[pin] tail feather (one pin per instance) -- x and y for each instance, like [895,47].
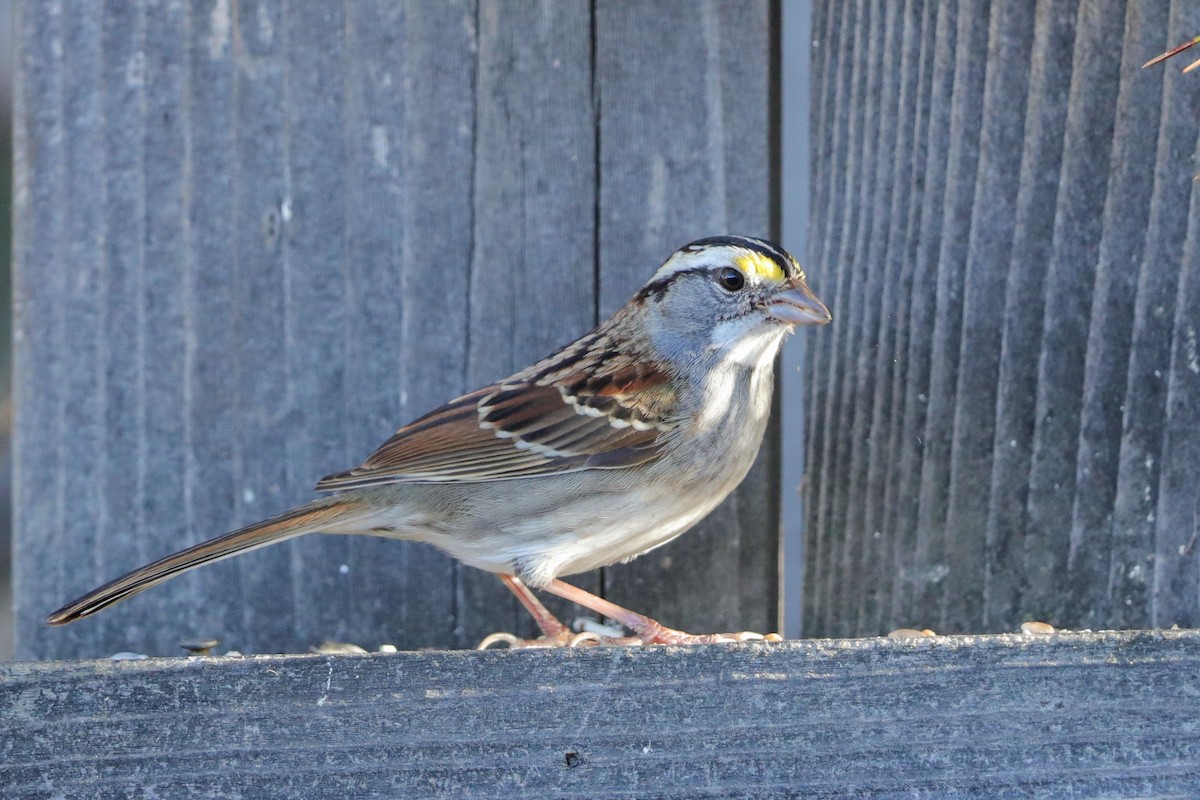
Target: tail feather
[319,515]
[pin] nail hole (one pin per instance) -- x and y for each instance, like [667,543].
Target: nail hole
[271,226]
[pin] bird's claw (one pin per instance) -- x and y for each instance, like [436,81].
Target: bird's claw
[671,636]
[566,639]
[500,637]
[663,635]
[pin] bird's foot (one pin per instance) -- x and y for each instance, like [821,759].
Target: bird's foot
[662,635]
[509,641]
[656,633]
[645,630]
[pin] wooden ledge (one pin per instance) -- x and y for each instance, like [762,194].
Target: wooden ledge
[1082,714]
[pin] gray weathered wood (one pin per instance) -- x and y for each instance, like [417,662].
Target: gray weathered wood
[1069,284]
[1041,157]
[539,134]
[989,249]
[1126,220]
[867,288]
[1080,715]
[937,438]
[659,180]
[897,248]
[1133,574]
[1039,445]
[254,238]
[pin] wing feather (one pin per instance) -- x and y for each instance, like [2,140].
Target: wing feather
[580,409]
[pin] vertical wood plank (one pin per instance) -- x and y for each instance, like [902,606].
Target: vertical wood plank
[212,598]
[80,410]
[832,118]
[893,247]
[1125,223]
[258,613]
[962,153]
[866,292]
[259,236]
[1041,460]
[1070,278]
[833,429]
[376,581]
[989,246]
[315,308]
[161,315]
[1041,157]
[438,58]
[914,570]
[534,252]
[683,153]
[903,247]
[1132,567]
[1176,598]
[38,188]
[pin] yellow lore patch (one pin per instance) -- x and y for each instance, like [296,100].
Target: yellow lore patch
[759,266]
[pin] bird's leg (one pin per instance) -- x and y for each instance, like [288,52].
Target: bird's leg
[554,633]
[546,622]
[648,631]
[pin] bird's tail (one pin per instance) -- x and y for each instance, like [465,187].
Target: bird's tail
[326,514]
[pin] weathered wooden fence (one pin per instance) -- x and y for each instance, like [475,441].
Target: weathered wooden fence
[254,238]
[1080,715]
[1005,420]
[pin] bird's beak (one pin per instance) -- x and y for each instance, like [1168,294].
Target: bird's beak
[797,305]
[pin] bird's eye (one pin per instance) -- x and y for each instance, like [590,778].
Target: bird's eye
[730,279]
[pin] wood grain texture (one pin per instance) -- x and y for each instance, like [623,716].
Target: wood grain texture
[661,184]
[1029,456]
[866,287]
[1069,284]
[1136,521]
[254,238]
[532,134]
[894,248]
[988,252]
[962,156]
[1041,156]
[1125,222]
[1109,714]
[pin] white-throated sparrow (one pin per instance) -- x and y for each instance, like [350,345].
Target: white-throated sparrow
[608,448]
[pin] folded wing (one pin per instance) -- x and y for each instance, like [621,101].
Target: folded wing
[559,417]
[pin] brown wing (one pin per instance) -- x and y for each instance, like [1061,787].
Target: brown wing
[580,411]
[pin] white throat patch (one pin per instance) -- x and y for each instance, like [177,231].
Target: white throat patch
[748,348]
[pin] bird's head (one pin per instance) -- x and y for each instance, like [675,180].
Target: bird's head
[729,296]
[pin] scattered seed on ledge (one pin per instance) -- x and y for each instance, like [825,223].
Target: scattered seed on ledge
[199,647]
[910,633]
[337,648]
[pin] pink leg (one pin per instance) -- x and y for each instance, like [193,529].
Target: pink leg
[547,622]
[649,631]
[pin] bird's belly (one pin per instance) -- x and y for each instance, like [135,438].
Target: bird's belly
[615,529]
[540,540]
[525,527]
[622,541]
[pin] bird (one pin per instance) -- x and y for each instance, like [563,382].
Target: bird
[611,446]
